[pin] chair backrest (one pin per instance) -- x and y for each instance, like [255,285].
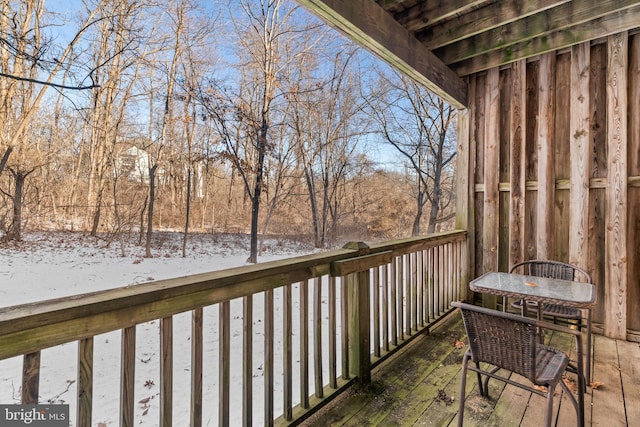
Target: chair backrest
[551,269]
[501,339]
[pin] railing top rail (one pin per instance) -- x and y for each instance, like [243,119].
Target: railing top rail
[31,327]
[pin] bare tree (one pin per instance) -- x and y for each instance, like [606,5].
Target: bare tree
[419,125]
[328,123]
[29,68]
[245,112]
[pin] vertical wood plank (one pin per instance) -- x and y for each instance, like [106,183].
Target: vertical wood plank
[633,228]
[414,290]
[491,169]
[317,337]
[478,83]
[442,274]
[127,376]
[247,360]
[287,328]
[268,357]
[562,156]
[546,173]
[224,370]
[304,344]
[420,286]
[517,178]
[615,243]
[392,303]
[433,294]
[376,311]
[344,320]
[408,294]
[333,332]
[85,382]
[30,378]
[598,165]
[531,156]
[504,162]
[580,144]
[400,298]
[196,367]
[385,308]
[166,371]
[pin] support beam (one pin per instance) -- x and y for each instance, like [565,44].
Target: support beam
[368,24]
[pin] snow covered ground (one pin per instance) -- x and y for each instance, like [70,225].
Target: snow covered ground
[50,265]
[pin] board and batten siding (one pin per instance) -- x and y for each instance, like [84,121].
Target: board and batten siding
[555,154]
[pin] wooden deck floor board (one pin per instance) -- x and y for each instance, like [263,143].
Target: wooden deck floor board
[629,358]
[607,406]
[405,389]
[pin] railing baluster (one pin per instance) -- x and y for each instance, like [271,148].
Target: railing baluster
[333,376]
[431,284]
[196,367]
[385,308]
[85,382]
[224,372]
[376,311]
[344,326]
[419,294]
[247,360]
[400,300]
[166,371]
[441,279]
[317,337]
[127,376]
[30,378]
[413,283]
[449,275]
[268,357]
[304,344]
[394,303]
[288,356]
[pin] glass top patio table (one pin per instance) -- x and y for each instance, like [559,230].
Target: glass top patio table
[533,288]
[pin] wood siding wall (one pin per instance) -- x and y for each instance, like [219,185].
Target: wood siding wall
[555,169]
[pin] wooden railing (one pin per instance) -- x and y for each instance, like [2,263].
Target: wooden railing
[327,320]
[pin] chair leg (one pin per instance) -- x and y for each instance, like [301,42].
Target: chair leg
[463,386]
[548,413]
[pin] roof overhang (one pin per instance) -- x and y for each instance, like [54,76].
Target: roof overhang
[368,24]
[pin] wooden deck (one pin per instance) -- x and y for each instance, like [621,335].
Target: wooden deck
[420,387]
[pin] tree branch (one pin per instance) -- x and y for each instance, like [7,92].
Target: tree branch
[41,82]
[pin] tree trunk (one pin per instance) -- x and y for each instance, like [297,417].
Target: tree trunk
[15,231]
[5,158]
[96,213]
[435,210]
[257,191]
[314,208]
[187,214]
[152,199]
[415,230]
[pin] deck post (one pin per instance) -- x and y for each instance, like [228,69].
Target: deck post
[358,302]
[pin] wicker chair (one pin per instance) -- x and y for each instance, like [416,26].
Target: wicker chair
[564,271]
[508,341]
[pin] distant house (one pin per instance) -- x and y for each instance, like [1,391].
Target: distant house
[134,165]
